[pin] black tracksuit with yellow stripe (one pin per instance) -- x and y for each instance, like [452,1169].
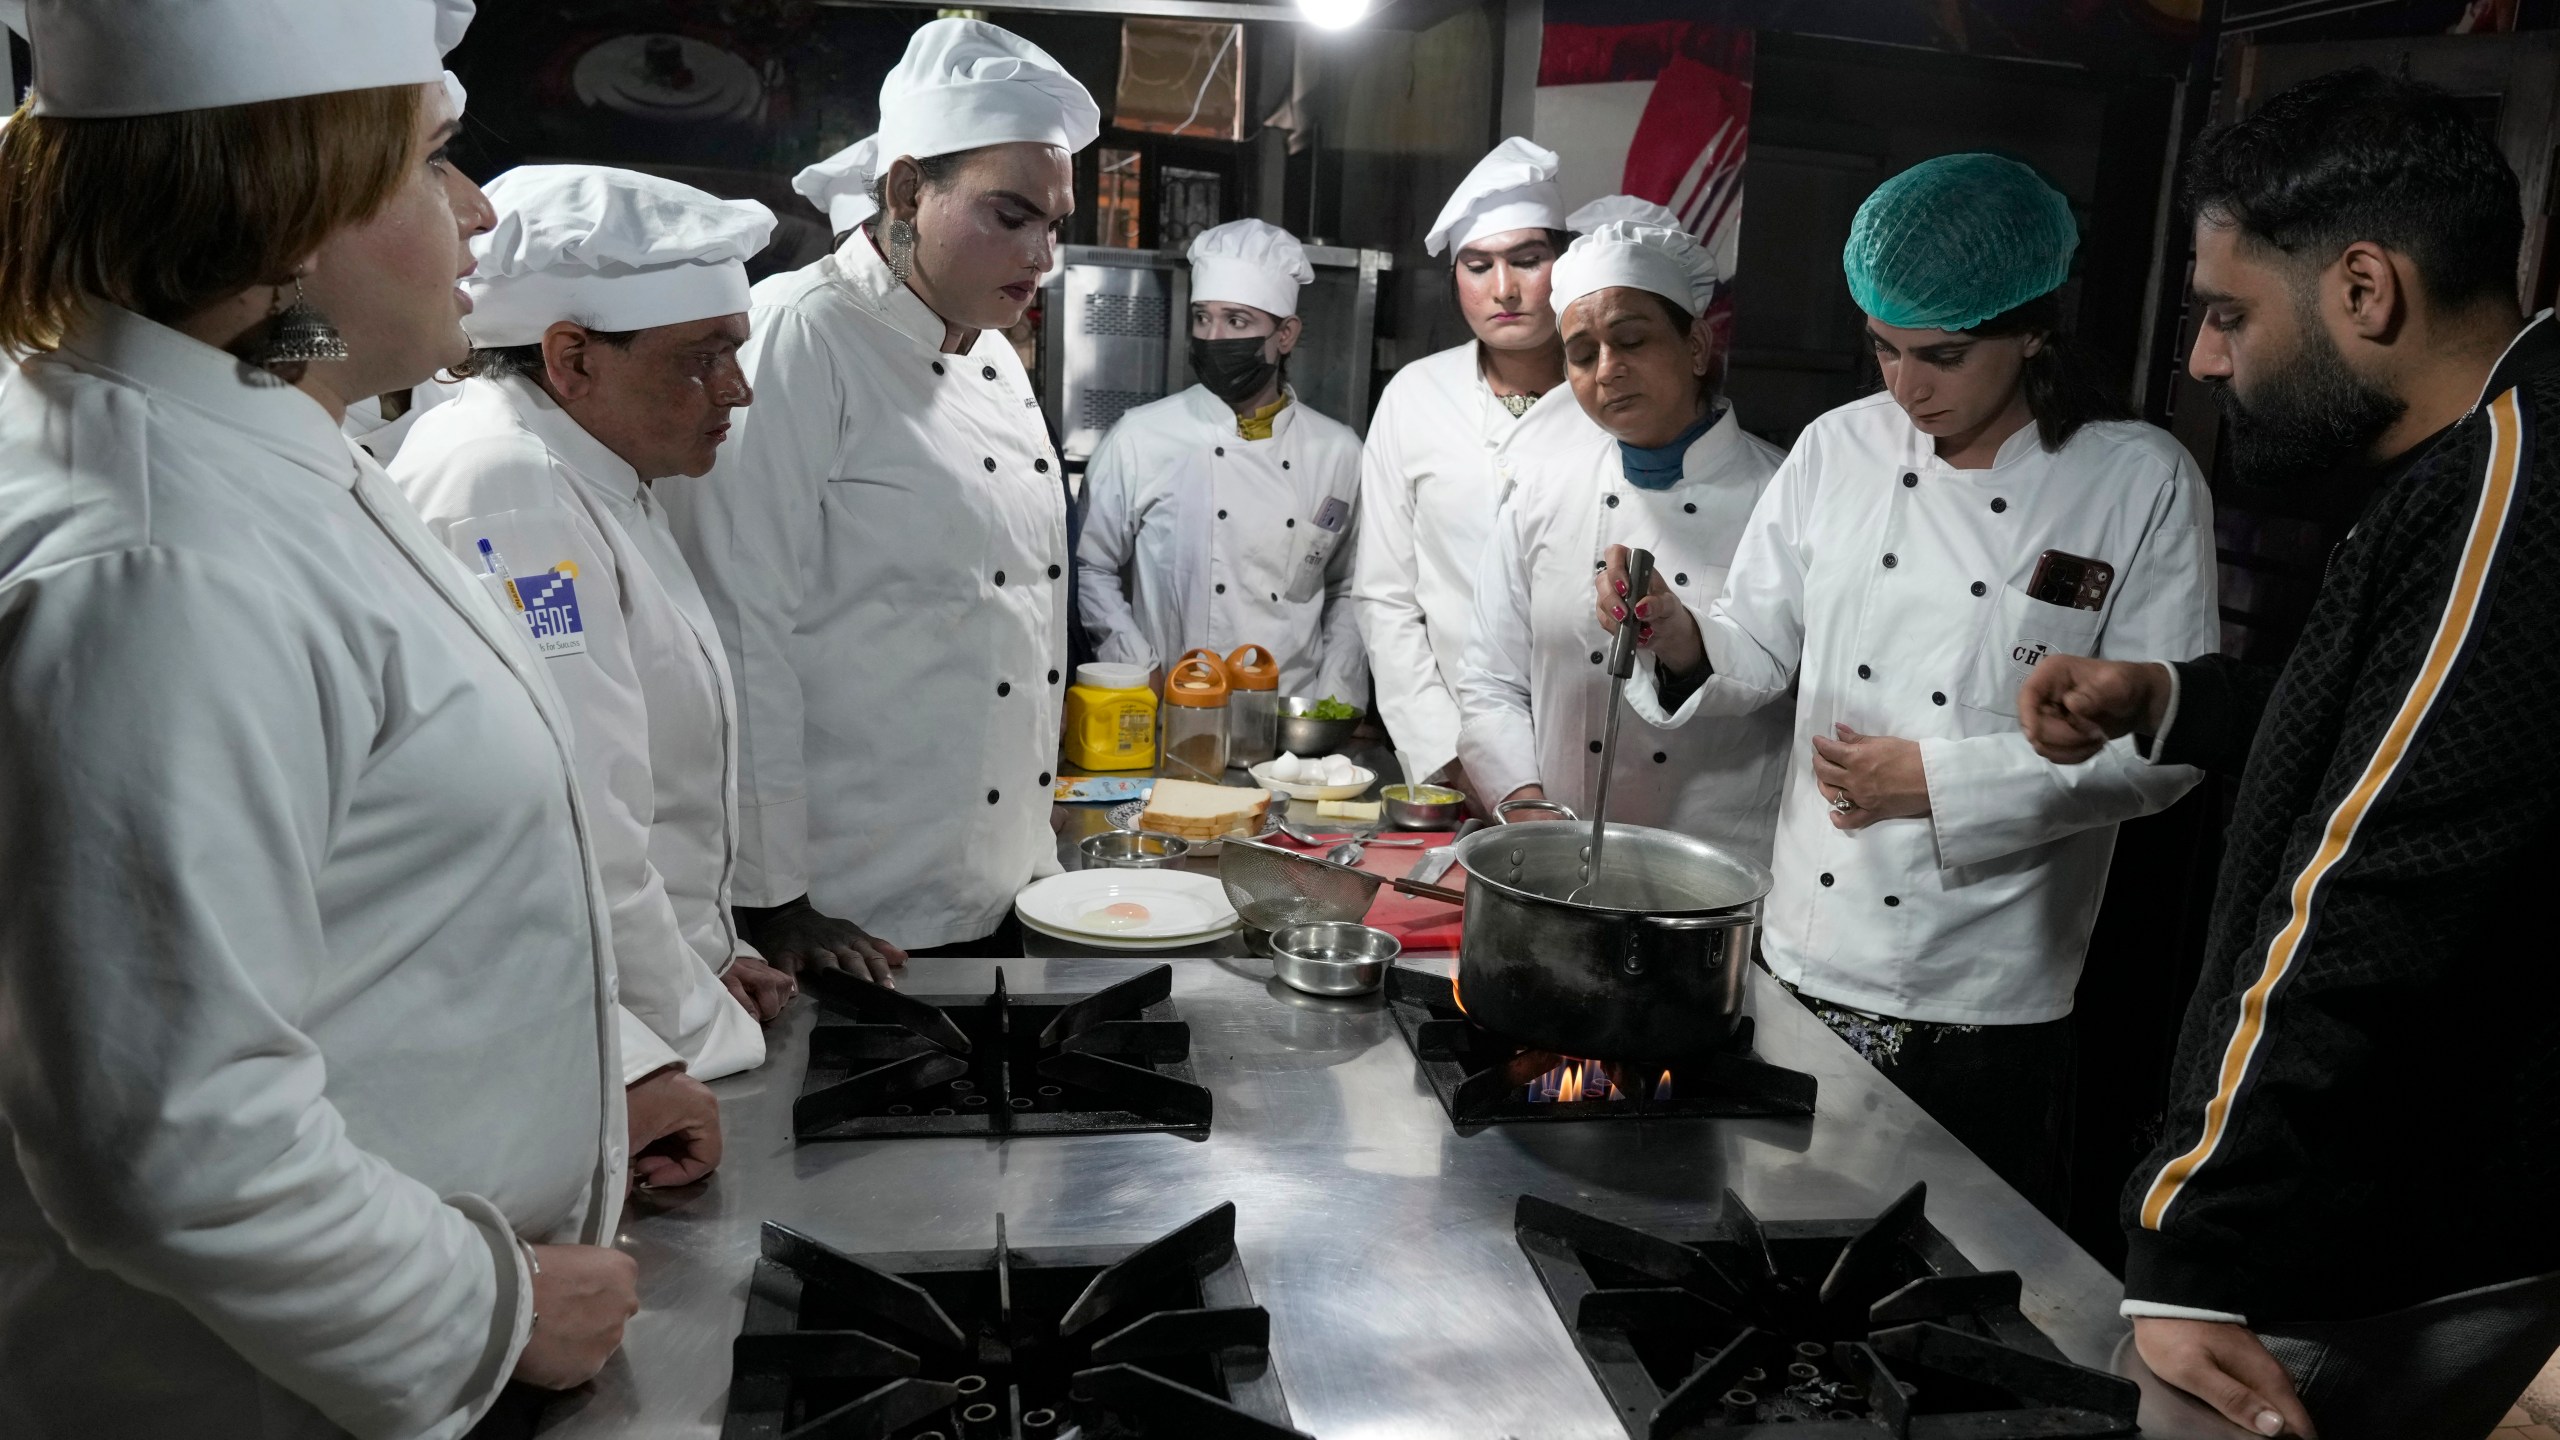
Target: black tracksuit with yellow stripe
[2366,1102]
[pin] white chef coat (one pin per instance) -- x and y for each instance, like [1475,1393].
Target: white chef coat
[648,693]
[1194,536]
[381,438]
[1890,588]
[884,546]
[1534,696]
[1442,456]
[304,978]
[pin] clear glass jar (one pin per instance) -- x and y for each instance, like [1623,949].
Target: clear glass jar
[1192,734]
[1253,706]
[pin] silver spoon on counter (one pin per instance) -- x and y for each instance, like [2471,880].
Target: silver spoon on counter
[1308,837]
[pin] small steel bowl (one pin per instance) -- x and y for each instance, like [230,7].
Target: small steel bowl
[1422,807]
[1303,735]
[1332,957]
[1132,850]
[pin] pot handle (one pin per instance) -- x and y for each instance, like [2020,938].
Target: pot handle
[1689,924]
[1562,812]
[1729,921]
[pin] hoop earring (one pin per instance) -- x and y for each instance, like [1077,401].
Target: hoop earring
[298,334]
[902,249]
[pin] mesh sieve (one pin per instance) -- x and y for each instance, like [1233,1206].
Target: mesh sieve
[1271,887]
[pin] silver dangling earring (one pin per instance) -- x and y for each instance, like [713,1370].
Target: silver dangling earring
[298,335]
[902,249]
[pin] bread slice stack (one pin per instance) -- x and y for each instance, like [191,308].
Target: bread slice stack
[1199,813]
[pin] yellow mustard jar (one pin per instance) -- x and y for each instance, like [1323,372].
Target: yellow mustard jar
[1111,718]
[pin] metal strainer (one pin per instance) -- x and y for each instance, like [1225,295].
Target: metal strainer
[1271,887]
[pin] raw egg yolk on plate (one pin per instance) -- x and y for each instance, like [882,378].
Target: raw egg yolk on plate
[1122,915]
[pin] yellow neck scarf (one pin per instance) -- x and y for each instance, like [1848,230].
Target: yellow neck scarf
[1257,426]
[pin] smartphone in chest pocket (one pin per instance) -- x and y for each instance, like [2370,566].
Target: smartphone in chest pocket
[2073,582]
[1306,579]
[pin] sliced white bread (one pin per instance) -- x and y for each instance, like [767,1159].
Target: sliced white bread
[1203,812]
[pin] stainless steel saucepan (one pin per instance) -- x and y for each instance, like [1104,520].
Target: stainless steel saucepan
[1644,964]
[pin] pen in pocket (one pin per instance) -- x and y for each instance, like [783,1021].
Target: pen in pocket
[497,565]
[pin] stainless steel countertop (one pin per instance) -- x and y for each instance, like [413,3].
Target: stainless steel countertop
[1379,1239]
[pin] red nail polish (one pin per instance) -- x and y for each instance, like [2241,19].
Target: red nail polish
[1622,587]
[1620,611]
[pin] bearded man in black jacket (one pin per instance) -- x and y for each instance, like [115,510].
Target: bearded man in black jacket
[2348,1228]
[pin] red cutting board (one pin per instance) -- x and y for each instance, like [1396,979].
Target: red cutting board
[1424,926]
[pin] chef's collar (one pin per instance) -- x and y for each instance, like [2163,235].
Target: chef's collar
[1218,417]
[885,295]
[1258,425]
[569,442]
[174,368]
[1500,404]
[1659,467]
[2027,443]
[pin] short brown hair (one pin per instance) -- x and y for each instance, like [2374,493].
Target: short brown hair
[167,214]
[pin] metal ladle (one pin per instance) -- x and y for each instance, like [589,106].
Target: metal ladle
[1622,663]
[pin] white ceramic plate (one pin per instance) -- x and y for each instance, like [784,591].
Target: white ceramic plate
[1262,775]
[1178,905]
[1187,942]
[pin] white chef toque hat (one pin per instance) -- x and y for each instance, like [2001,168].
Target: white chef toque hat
[452,18]
[608,249]
[841,184]
[1250,262]
[1645,257]
[1623,207]
[103,59]
[966,83]
[1513,188]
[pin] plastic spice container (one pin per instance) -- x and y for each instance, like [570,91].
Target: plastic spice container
[1192,728]
[1253,706]
[1111,718]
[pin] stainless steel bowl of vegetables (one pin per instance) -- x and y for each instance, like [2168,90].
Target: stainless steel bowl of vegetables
[1310,726]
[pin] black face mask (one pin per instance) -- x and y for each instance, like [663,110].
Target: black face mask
[1234,370]
[2310,420]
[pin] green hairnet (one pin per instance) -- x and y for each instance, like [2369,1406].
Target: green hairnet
[1951,242]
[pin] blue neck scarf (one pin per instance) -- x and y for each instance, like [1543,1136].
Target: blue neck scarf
[1658,467]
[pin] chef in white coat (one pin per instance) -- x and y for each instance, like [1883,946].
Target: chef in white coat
[1224,516]
[1915,556]
[1454,432]
[607,311]
[311,1088]
[1680,481]
[884,545]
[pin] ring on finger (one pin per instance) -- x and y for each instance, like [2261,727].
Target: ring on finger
[1841,803]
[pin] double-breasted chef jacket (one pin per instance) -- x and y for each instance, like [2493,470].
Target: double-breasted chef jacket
[884,548]
[1534,696]
[1442,455]
[1196,537]
[1890,588]
[626,638]
[305,978]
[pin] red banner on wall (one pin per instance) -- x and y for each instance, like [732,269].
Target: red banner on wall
[1657,109]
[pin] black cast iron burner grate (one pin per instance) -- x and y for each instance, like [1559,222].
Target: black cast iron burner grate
[1849,1330]
[1483,1078]
[886,1065]
[1146,1342]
